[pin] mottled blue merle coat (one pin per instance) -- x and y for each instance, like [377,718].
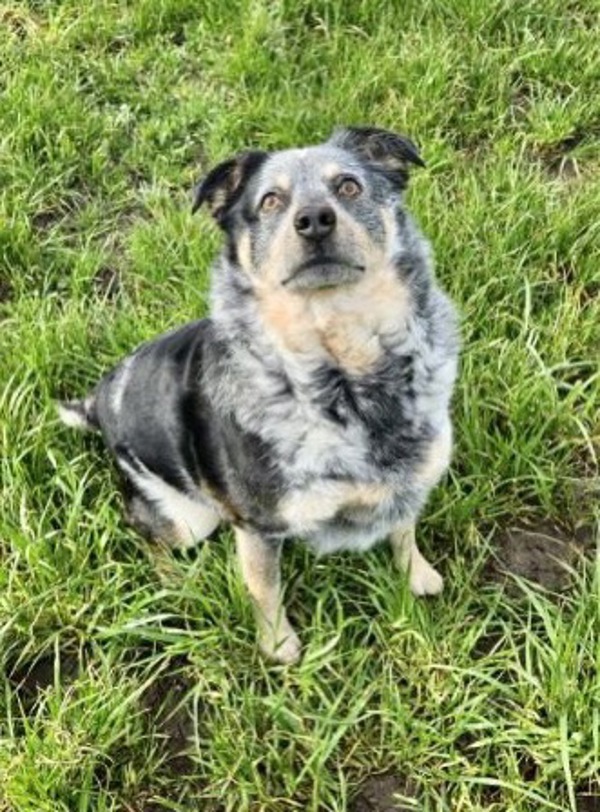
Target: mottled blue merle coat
[314,400]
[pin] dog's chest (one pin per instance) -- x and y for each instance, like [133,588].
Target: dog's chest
[330,480]
[324,458]
[303,420]
[348,329]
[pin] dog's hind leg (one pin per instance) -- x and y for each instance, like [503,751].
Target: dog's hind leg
[259,562]
[160,510]
[179,529]
[423,579]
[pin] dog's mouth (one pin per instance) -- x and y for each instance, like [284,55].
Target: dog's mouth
[323,272]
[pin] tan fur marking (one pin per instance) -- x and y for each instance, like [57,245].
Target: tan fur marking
[244,252]
[218,200]
[235,177]
[221,195]
[259,563]
[331,170]
[367,494]
[346,324]
[351,327]
[353,348]
[260,568]
[283,182]
[286,317]
[312,505]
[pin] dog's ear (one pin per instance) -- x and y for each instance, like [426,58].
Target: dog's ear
[388,151]
[224,184]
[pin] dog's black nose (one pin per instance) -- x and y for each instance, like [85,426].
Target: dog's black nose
[315,222]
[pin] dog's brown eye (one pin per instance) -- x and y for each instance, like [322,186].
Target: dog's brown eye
[349,188]
[270,202]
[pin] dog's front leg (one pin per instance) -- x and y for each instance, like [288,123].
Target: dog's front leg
[423,579]
[259,562]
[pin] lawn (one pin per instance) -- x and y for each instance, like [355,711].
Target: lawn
[130,678]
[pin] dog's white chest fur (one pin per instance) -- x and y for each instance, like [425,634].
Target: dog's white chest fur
[326,463]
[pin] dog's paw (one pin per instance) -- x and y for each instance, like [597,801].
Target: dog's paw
[283,647]
[424,579]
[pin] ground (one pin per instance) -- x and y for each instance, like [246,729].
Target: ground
[130,678]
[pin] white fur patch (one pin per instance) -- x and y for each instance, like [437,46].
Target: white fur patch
[192,519]
[423,579]
[71,416]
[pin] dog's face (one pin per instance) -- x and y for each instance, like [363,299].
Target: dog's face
[315,218]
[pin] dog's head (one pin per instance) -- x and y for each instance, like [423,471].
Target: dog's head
[314,218]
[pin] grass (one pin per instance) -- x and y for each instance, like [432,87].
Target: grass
[130,679]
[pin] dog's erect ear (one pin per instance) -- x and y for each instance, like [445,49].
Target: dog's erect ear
[225,183]
[386,150]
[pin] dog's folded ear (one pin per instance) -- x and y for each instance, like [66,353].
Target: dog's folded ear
[224,184]
[387,151]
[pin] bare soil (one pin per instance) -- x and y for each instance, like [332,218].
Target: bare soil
[543,553]
[381,793]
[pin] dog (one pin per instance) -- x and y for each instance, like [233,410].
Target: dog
[314,401]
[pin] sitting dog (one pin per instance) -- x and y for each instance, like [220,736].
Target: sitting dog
[314,400]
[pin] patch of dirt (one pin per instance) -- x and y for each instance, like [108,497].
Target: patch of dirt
[528,768]
[178,37]
[589,290]
[522,96]
[45,219]
[379,793]
[587,797]
[567,272]
[555,158]
[30,680]
[5,291]
[62,212]
[107,282]
[563,167]
[164,702]
[588,803]
[118,44]
[543,553]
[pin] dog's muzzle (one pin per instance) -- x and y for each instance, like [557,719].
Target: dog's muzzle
[324,266]
[323,272]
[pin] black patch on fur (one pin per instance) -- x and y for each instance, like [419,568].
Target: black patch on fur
[224,185]
[168,424]
[386,152]
[382,401]
[239,467]
[385,399]
[333,393]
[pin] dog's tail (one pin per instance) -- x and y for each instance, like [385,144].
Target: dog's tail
[79,414]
